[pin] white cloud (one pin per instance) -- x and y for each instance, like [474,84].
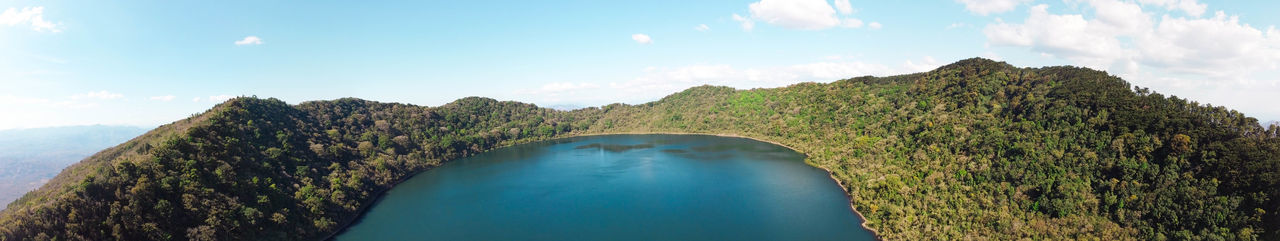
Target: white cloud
[29,15]
[1068,36]
[795,14]
[926,65]
[702,28]
[851,23]
[641,38]
[875,25]
[958,25]
[801,14]
[250,40]
[747,23]
[220,98]
[165,98]
[99,95]
[1254,98]
[1119,18]
[1190,7]
[1219,46]
[660,81]
[196,99]
[1214,58]
[844,7]
[985,7]
[828,71]
[1122,36]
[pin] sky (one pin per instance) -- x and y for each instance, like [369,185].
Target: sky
[147,63]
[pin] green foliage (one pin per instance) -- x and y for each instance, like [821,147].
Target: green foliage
[261,169]
[982,150]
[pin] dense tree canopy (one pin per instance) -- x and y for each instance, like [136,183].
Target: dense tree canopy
[976,149]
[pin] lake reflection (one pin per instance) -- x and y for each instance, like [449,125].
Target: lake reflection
[618,187]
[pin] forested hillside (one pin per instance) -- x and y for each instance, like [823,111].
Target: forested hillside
[980,149]
[261,169]
[973,150]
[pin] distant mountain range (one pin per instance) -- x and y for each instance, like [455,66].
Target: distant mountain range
[565,107]
[29,157]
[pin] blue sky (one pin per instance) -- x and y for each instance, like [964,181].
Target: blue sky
[147,63]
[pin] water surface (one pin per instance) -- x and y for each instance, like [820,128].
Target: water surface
[618,187]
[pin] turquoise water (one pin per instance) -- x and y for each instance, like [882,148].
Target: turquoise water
[618,187]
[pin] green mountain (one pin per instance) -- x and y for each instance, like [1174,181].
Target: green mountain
[973,150]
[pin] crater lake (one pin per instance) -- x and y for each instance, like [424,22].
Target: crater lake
[618,187]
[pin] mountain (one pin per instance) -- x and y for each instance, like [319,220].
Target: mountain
[972,150]
[29,157]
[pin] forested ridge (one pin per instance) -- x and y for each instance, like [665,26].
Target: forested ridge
[973,150]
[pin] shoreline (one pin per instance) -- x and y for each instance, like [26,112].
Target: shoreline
[382,193]
[830,174]
[365,206]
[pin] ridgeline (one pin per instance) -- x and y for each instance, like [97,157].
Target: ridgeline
[973,150]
